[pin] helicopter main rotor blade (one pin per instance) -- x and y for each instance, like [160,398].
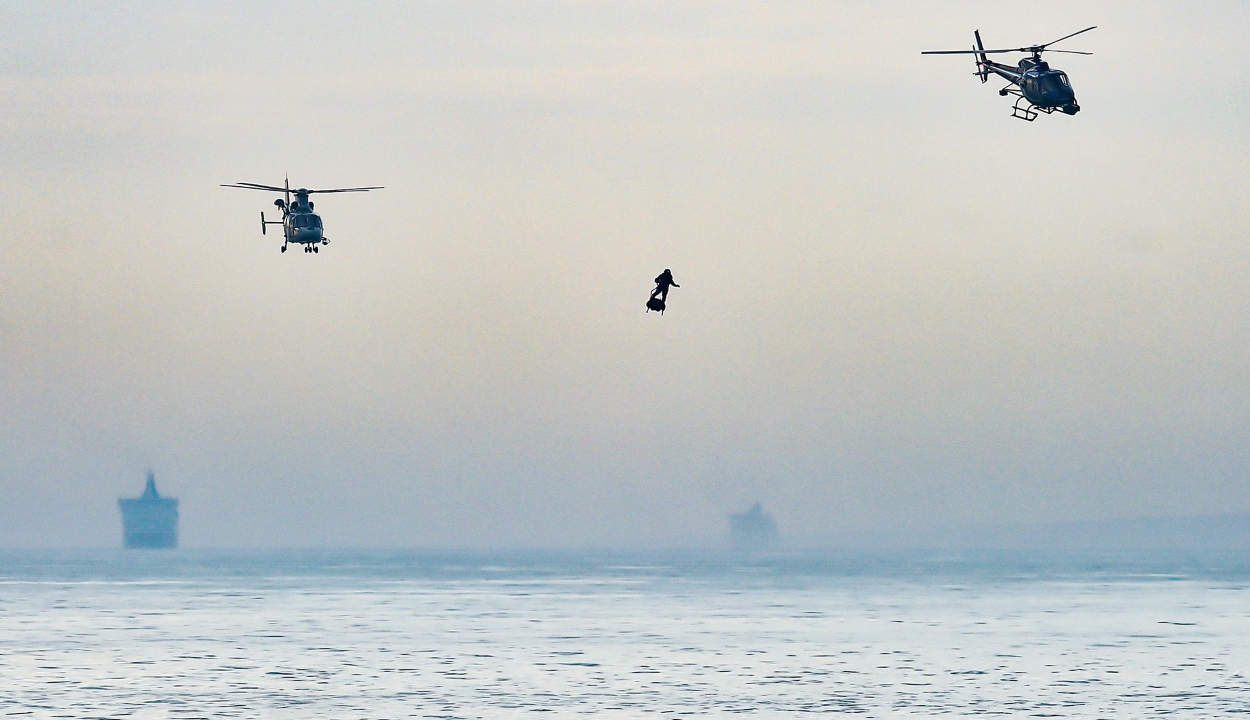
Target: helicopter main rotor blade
[1065,37]
[1039,48]
[271,188]
[254,186]
[259,185]
[1029,49]
[973,52]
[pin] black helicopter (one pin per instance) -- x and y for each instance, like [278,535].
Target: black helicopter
[300,225]
[1038,87]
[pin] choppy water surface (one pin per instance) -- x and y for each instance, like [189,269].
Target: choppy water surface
[377,635]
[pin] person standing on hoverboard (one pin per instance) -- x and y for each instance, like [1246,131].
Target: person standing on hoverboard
[660,294]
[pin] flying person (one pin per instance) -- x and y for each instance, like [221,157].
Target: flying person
[660,293]
[662,284]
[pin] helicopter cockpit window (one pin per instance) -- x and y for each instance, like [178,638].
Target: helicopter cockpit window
[1054,82]
[306,221]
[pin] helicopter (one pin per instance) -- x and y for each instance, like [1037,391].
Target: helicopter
[300,225]
[1038,87]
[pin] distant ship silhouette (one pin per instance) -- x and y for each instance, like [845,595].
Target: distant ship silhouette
[149,521]
[752,530]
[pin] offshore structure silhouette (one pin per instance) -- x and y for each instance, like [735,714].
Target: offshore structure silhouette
[752,530]
[149,521]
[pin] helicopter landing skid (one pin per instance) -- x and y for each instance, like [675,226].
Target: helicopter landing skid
[1025,110]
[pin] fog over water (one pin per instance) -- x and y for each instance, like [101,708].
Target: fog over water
[900,309]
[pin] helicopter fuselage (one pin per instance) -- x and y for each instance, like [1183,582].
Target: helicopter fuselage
[1038,83]
[303,228]
[300,225]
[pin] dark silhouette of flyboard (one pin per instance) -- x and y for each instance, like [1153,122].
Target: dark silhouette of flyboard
[1038,87]
[300,225]
[660,294]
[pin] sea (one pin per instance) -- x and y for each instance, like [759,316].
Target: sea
[379,634]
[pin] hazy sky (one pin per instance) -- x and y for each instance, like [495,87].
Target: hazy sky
[900,308]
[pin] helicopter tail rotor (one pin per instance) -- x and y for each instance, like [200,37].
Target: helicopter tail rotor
[983,71]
